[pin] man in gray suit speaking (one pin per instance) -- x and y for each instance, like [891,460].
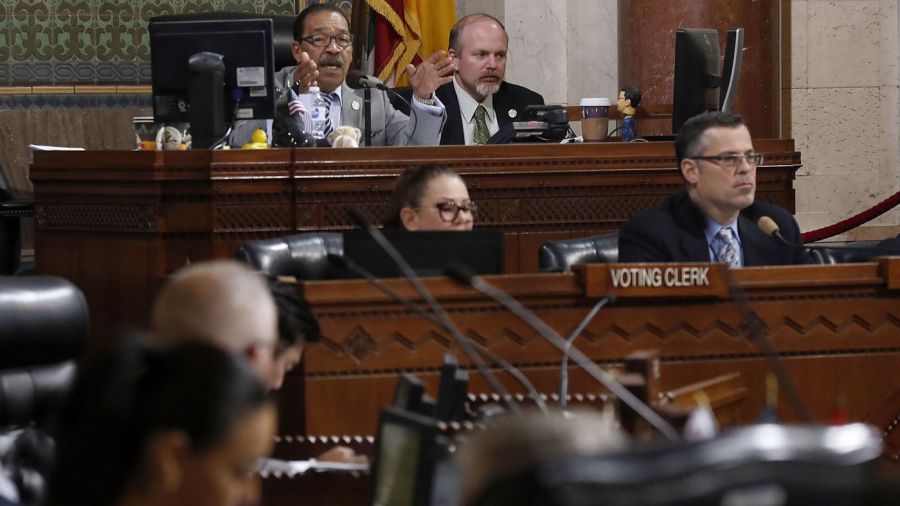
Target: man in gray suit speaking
[323,49]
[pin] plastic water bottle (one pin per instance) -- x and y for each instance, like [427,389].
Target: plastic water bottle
[319,114]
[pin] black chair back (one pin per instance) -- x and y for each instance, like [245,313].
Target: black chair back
[560,256]
[303,256]
[43,328]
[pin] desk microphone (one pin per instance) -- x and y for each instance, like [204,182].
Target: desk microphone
[439,312]
[817,253]
[346,263]
[357,79]
[609,298]
[465,276]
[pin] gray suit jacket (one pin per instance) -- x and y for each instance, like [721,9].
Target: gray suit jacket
[390,127]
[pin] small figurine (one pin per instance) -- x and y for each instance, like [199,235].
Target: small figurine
[258,140]
[629,99]
[288,129]
[169,138]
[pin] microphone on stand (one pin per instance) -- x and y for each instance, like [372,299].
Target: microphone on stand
[466,277]
[818,254]
[357,79]
[564,368]
[439,312]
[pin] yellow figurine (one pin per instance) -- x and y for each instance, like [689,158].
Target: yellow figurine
[258,140]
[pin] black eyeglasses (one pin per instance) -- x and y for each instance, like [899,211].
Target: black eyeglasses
[450,210]
[731,162]
[343,40]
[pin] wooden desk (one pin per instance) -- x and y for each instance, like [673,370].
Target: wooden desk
[117,222]
[836,328]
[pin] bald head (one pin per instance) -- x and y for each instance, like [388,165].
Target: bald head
[222,302]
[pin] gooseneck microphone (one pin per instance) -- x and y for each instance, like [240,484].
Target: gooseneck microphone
[466,277]
[564,367]
[357,79]
[352,266]
[439,312]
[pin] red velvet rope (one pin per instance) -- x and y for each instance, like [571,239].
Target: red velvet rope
[853,221]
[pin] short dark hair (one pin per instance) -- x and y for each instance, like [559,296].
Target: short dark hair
[125,395]
[296,322]
[456,31]
[634,94]
[687,143]
[301,18]
[410,188]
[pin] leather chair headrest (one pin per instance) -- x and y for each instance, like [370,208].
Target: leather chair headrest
[43,320]
[304,256]
[560,256]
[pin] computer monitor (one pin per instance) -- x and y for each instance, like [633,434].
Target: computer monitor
[428,253]
[211,71]
[409,395]
[731,69]
[453,390]
[406,452]
[697,76]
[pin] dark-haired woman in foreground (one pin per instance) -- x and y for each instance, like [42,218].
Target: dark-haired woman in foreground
[430,197]
[181,426]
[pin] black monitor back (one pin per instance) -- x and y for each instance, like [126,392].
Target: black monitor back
[429,253]
[697,78]
[731,69]
[247,48]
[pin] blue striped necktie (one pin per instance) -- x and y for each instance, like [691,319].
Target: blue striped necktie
[328,98]
[726,248]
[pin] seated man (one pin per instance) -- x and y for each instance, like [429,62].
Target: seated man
[715,218]
[479,102]
[323,48]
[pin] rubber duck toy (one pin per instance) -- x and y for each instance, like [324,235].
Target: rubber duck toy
[258,140]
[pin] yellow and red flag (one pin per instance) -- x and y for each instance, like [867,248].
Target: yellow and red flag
[407,31]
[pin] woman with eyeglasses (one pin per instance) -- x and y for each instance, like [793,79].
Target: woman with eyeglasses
[431,197]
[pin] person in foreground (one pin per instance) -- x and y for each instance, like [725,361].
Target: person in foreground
[182,425]
[715,218]
[430,198]
[222,302]
[479,101]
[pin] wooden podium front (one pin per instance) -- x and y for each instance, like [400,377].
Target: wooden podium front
[836,328]
[117,222]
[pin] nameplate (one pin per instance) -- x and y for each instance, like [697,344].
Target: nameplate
[655,280]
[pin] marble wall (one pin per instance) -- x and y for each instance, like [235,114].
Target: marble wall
[840,88]
[841,71]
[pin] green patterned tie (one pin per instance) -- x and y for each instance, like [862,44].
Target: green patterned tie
[481,134]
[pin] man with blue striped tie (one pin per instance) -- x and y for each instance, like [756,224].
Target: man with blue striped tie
[323,49]
[714,219]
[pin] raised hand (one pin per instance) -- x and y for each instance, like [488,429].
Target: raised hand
[431,73]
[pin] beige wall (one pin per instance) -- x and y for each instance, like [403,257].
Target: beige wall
[840,89]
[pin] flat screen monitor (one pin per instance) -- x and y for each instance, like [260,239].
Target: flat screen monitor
[406,452]
[700,85]
[731,69]
[242,89]
[429,253]
[697,76]
[453,390]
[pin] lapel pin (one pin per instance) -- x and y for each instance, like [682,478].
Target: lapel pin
[354,105]
[512,113]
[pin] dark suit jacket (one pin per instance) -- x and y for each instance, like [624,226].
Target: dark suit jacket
[674,232]
[508,97]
